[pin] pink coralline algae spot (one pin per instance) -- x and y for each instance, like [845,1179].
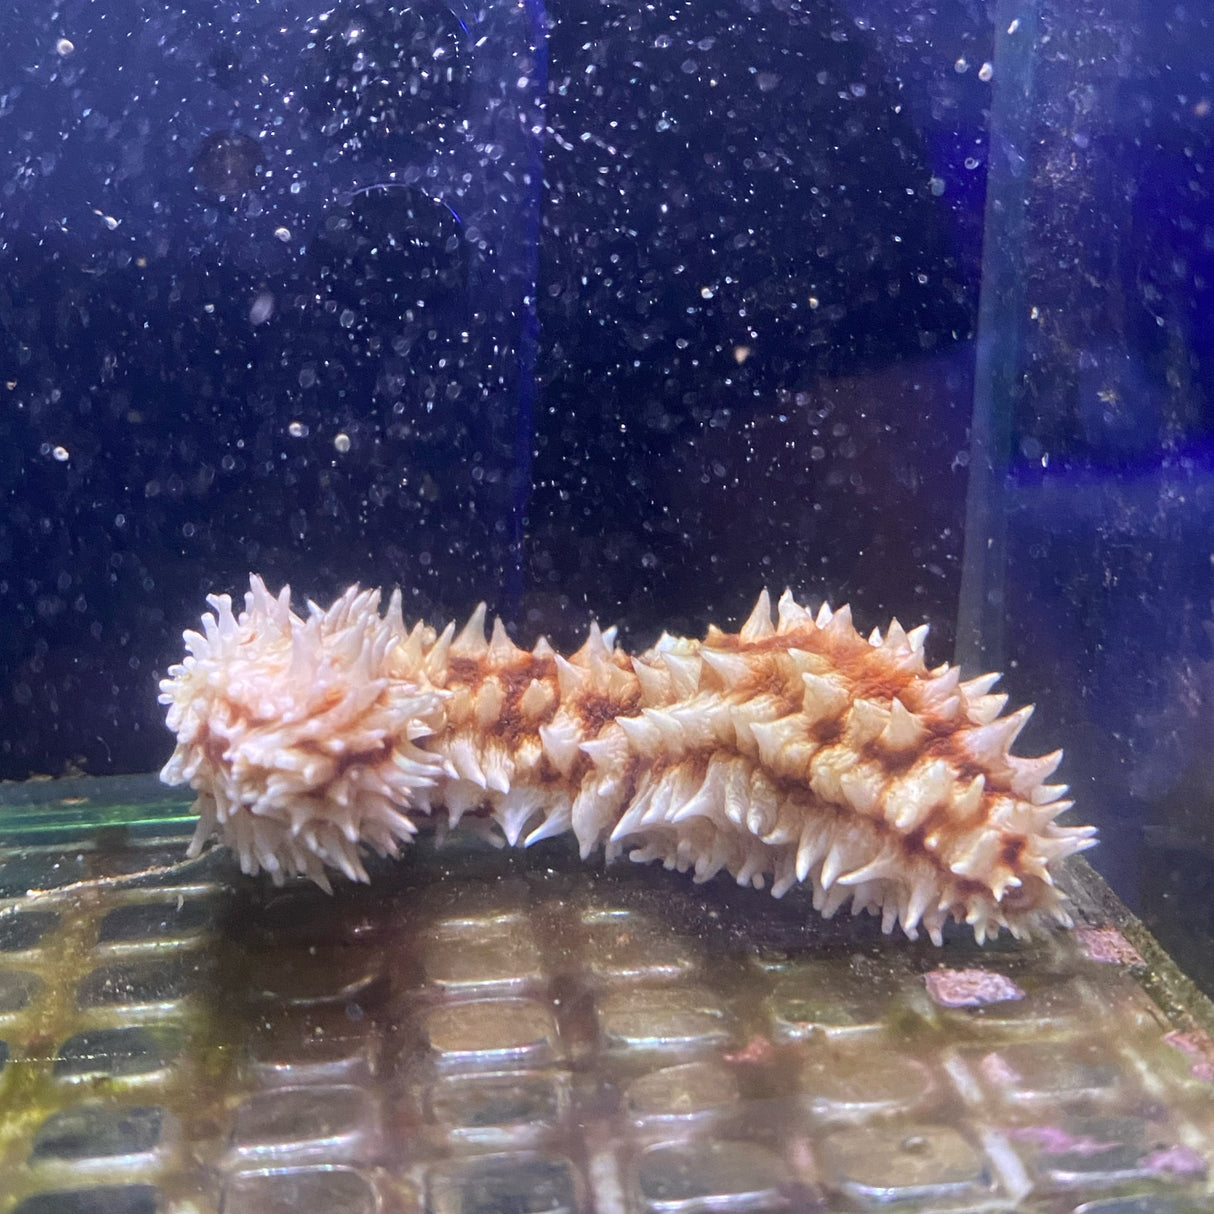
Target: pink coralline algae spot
[758,1050]
[970,988]
[1107,945]
[1054,1140]
[1175,1161]
[1198,1046]
[998,1072]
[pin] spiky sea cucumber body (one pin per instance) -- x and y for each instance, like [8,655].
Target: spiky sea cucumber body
[791,751]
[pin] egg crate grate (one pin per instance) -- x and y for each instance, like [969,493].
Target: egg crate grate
[489,1032]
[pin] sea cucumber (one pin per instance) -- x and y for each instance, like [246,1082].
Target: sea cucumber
[794,750]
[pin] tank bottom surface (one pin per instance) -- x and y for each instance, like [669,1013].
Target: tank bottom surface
[484,1031]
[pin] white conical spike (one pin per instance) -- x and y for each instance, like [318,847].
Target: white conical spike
[595,648]
[895,637]
[862,786]
[762,805]
[804,661]
[514,811]
[411,648]
[885,864]
[684,673]
[791,614]
[570,679]
[832,866]
[1002,882]
[737,791]
[980,685]
[825,697]
[751,870]
[668,725]
[832,900]
[975,855]
[561,740]
[489,702]
[1075,839]
[839,624]
[498,767]
[966,801]
[814,841]
[709,863]
[1047,794]
[706,801]
[1028,774]
[941,688]
[471,643]
[824,614]
[667,791]
[784,879]
[875,639]
[643,735]
[439,653]
[988,744]
[631,819]
[557,820]
[918,900]
[866,721]
[904,730]
[655,683]
[609,751]
[758,626]
[502,650]
[762,818]
[537,699]
[982,710]
[916,638]
[910,798]
[732,669]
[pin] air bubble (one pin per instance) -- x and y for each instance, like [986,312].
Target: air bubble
[262,308]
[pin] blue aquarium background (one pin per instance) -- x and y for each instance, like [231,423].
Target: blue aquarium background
[625,311]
